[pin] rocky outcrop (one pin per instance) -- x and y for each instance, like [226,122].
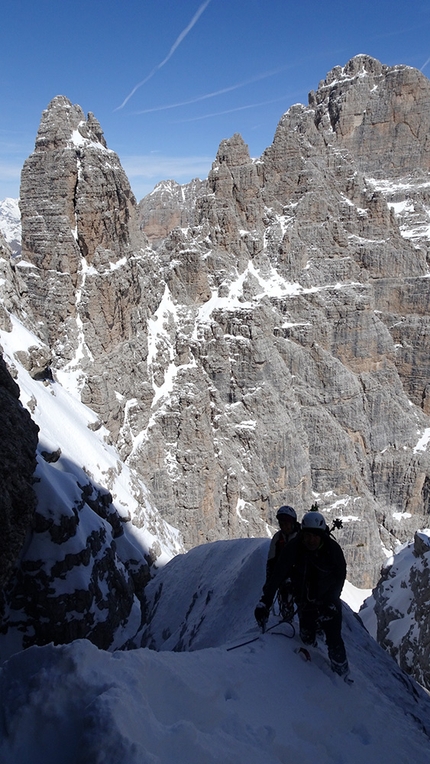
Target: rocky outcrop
[74,186]
[79,577]
[77,209]
[12,288]
[273,348]
[399,606]
[17,464]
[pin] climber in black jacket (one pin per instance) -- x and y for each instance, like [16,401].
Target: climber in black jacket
[288,529]
[316,565]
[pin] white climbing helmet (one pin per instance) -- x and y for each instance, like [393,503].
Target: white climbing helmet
[314,522]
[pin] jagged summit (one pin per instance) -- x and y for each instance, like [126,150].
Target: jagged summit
[170,205]
[233,151]
[381,114]
[360,65]
[77,208]
[62,123]
[363,66]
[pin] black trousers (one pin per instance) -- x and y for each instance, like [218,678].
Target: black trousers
[325,617]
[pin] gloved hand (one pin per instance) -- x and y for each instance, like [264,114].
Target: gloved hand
[261,614]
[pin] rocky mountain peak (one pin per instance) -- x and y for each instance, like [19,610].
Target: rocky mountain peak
[77,212]
[360,65]
[63,123]
[58,122]
[94,130]
[233,152]
[380,114]
[170,205]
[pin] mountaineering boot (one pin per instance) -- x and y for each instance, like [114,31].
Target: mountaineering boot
[340,668]
[308,637]
[338,659]
[261,614]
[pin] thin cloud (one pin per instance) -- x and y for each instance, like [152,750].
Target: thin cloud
[424,65]
[257,78]
[230,111]
[398,32]
[10,170]
[175,45]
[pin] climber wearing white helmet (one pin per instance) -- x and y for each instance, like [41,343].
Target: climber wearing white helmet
[316,565]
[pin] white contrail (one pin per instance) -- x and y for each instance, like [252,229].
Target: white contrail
[257,78]
[230,111]
[170,53]
[424,65]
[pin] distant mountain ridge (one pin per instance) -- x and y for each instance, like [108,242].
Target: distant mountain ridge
[170,205]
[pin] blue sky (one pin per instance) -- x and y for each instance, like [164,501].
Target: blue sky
[169,79]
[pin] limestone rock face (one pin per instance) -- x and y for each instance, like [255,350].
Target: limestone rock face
[72,178]
[12,288]
[17,464]
[81,252]
[381,115]
[169,206]
[76,206]
[273,347]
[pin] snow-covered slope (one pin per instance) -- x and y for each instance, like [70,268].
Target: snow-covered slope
[83,568]
[66,423]
[253,704]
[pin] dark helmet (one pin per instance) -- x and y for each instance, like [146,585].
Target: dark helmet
[314,522]
[285,510]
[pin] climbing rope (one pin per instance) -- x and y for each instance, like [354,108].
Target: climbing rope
[280,633]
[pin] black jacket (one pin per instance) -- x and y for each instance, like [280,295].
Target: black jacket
[277,544]
[317,576]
